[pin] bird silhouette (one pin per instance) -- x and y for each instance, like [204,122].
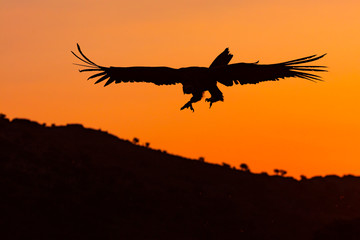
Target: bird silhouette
[197,80]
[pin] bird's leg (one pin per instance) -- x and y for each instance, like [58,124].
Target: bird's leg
[195,98]
[216,95]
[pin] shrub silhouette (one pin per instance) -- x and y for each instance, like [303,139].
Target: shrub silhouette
[225,165]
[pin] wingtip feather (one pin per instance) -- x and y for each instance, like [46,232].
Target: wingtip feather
[109,82]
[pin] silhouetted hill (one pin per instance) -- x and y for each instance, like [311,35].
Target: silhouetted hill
[70,182]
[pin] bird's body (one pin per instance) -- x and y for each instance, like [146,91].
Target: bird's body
[197,80]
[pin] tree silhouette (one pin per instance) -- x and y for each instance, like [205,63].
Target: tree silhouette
[282,172]
[201,159]
[135,140]
[303,177]
[244,167]
[147,144]
[3,118]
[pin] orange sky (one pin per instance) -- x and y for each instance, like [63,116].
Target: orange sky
[296,125]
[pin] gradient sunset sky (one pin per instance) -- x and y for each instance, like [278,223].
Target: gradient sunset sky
[302,127]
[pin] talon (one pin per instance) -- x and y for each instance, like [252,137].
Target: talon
[210,100]
[188,105]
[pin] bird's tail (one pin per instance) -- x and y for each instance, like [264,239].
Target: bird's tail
[91,66]
[301,71]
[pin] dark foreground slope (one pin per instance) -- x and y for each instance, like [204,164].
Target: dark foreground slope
[68,182]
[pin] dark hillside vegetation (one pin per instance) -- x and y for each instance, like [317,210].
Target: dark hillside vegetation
[70,182]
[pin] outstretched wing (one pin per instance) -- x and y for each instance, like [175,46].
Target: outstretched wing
[252,73]
[223,59]
[156,75]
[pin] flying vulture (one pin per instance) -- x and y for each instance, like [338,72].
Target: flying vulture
[197,80]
